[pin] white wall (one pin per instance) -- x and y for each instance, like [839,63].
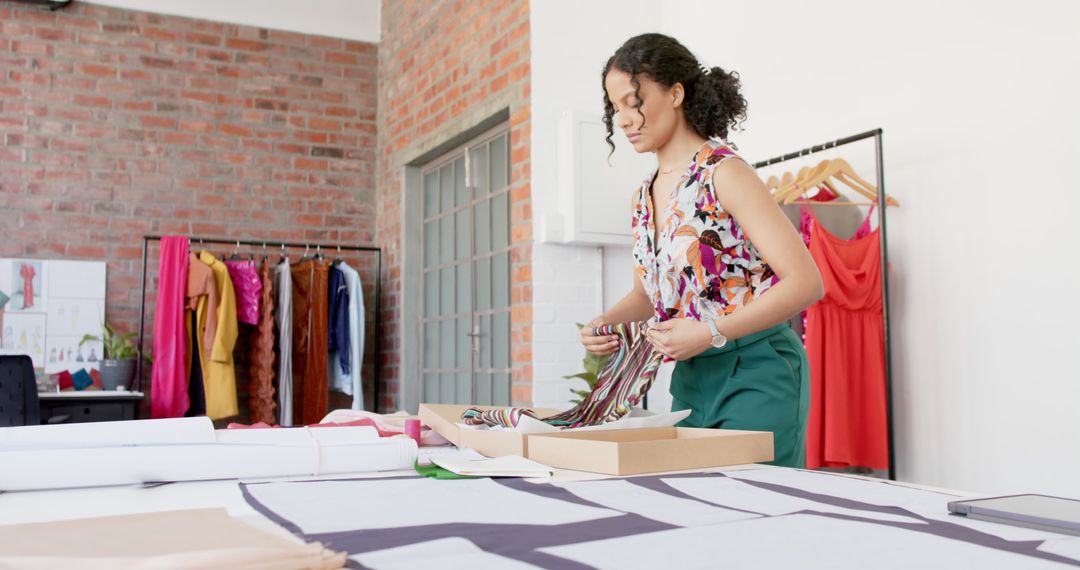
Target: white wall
[978,101]
[979,104]
[568,281]
[349,19]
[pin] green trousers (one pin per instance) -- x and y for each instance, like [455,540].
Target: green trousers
[760,382]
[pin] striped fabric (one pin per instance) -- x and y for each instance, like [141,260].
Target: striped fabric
[506,417]
[623,382]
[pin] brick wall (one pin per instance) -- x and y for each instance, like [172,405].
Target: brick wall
[565,292]
[443,67]
[115,124]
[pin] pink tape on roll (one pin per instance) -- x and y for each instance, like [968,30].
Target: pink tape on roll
[412,429]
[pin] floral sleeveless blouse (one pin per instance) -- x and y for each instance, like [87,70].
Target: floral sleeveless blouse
[702,264]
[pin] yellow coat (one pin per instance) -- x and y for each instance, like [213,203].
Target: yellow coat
[219,374]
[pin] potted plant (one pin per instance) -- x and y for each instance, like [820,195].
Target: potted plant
[118,366]
[592,364]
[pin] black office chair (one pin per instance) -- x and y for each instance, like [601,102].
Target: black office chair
[18,391]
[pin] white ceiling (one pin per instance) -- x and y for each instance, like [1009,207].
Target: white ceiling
[349,19]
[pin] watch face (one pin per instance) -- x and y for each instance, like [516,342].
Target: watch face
[719,341]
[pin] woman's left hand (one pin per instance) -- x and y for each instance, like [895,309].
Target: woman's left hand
[680,338]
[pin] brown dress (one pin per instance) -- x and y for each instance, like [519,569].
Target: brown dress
[261,388]
[311,332]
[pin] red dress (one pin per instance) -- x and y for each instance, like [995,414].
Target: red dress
[845,343]
[27,272]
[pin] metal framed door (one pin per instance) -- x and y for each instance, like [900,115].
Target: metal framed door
[466,274]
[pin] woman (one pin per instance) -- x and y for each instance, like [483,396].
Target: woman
[703,226]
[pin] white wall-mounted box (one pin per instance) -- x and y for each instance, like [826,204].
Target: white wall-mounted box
[594,190]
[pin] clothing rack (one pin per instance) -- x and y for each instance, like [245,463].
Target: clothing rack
[376,387]
[881,207]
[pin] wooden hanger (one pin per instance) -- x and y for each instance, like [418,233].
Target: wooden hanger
[837,169]
[795,186]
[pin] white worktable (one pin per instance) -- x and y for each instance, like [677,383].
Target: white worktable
[52,505]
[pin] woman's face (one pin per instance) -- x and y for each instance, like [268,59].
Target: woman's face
[650,127]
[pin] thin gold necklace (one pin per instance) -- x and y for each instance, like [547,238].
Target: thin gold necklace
[672,169]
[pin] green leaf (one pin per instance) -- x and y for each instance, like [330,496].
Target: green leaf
[117,346]
[594,363]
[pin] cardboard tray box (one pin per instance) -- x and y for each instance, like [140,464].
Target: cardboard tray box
[444,419]
[650,450]
[614,452]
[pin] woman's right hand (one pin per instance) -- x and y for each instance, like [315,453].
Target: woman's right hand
[599,345]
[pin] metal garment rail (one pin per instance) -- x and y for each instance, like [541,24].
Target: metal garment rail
[879,160]
[376,387]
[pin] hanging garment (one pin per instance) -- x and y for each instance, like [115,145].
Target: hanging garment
[168,377]
[261,386]
[806,222]
[196,382]
[283,316]
[760,382]
[202,299]
[310,337]
[248,288]
[702,265]
[845,339]
[219,375]
[338,340]
[201,322]
[350,383]
[621,383]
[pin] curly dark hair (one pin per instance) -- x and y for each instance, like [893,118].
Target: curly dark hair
[712,102]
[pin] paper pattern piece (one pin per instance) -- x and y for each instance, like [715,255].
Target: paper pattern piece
[708,520]
[105,434]
[198,538]
[505,466]
[795,541]
[626,496]
[1067,547]
[426,454]
[444,554]
[375,504]
[927,504]
[187,449]
[731,493]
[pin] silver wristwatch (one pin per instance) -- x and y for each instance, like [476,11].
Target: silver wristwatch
[718,340]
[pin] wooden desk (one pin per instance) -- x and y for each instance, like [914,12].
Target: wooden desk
[91,406]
